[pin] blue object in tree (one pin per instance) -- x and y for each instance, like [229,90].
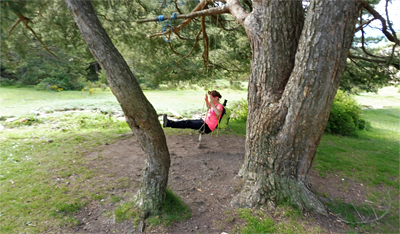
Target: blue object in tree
[167,25]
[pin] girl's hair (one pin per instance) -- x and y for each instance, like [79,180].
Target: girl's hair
[214,93]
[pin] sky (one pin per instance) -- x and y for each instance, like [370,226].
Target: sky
[394,16]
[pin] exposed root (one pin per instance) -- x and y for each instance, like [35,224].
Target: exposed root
[273,190]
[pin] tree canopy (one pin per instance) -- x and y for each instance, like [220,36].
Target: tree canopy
[201,49]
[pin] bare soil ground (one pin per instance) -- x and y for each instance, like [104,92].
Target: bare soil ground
[204,177]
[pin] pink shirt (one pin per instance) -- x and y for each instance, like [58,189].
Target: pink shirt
[211,118]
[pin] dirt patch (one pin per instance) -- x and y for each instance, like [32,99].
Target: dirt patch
[204,177]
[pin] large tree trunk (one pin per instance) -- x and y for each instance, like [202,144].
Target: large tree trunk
[139,113]
[290,100]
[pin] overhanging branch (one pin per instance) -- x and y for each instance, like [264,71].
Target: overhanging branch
[364,24]
[22,18]
[395,64]
[376,15]
[212,11]
[222,25]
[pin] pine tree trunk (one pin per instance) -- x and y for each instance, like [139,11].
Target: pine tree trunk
[139,113]
[291,90]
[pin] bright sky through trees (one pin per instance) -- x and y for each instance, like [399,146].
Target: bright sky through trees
[373,30]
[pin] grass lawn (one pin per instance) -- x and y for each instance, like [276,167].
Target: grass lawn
[38,157]
[23,101]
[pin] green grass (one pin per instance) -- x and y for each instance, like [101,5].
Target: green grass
[22,101]
[39,156]
[284,219]
[372,157]
[36,165]
[388,96]
[173,210]
[256,223]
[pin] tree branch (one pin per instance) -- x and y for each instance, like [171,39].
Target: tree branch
[363,24]
[177,8]
[363,45]
[26,21]
[389,23]
[5,52]
[14,25]
[237,11]
[191,51]
[199,7]
[170,46]
[183,38]
[391,55]
[41,42]
[223,27]
[368,221]
[105,17]
[376,15]
[212,11]
[392,63]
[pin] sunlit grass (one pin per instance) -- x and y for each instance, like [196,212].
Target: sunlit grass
[23,101]
[173,210]
[39,157]
[372,158]
[42,166]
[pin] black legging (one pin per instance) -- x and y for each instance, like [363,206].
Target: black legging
[193,124]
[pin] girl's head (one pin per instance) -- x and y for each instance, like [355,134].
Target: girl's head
[215,94]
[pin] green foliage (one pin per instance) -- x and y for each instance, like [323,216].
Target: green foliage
[239,109]
[36,163]
[114,199]
[153,61]
[366,76]
[355,214]
[371,158]
[173,210]
[26,120]
[344,118]
[256,223]
[126,211]
[102,77]
[68,208]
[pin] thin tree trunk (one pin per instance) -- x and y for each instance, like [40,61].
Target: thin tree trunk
[289,103]
[139,113]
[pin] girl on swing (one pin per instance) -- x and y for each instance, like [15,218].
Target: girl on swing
[209,123]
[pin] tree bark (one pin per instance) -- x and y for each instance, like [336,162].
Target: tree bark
[291,90]
[139,113]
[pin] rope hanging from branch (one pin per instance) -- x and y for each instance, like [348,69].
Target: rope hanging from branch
[167,25]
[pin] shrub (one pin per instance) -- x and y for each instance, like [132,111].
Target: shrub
[239,109]
[61,81]
[102,77]
[345,116]
[7,82]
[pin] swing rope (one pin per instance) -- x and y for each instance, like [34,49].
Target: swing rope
[202,128]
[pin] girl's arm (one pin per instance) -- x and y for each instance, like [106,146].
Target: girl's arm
[207,103]
[216,110]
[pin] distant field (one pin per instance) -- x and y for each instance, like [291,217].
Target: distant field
[388,96]
[22,101]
